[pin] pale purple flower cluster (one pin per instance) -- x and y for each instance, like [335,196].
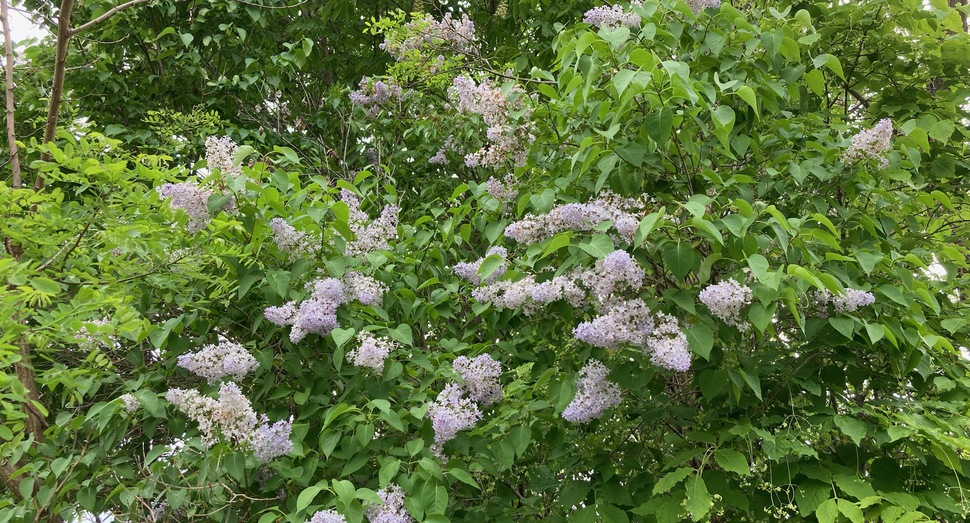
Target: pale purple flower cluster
[233,417]
[505,190]
[725,300]
[617,271]
[327,516]
[87,339]
[318,314]
[220,154]
[392,511]
[453,410]
[469,271]
[213,362]
[480,375]
[426,33]
[372,236]
[699,5]
[269,442]
[668,344]
[580,217]
[631,322]
[372,95]
[130,402]
[508,140]
[290,240]
[594,394]
[871,143]
[439,157]
[851,301]
[611,16]
[371,351]
[190,198]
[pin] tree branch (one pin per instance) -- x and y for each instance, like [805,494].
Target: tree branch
[111,12]
[11,135]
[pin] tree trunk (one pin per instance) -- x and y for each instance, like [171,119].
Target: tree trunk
[57,86]
[11,135]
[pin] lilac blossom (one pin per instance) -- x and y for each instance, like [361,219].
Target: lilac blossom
[447,34]
[580,217]
[220,154]
[372,236]
[480,375]
[504,191]
[699,5]
[871,143]
[190,198]
[451,412]
[290,240]
[851,301]
[130,402]
[371,351]
[269,442]
[612,17]
[469,271]
[373,95]
[622,322]
[392,510]
[327,516]
[213,362]
[667,344]
[594,394]
[725,300]
[507,138]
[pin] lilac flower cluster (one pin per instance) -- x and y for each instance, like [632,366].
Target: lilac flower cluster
[623,322]
[469,271]
[220,154]
[371,351]
[699,5]
[327,516]
[480,375]
[368,236]
[507,139]
[612,17]
[213,362]
[505,190]
[290,240]
[871,143]
[426,33]
[617,271]
[581,217]
[851,301]
[594,394]
[190,198]
[392,511]
[372,95]
[233,417]
[439,157]
[453,410]
[318,314]
[725,300]
[89,340]
[668,344]
[130,402]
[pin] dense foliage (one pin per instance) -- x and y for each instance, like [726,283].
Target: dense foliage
[655,262]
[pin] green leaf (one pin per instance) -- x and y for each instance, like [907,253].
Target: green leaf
[489,265]
[759,266]
[699,500]
[851,511]
[831,62]
[733,461]
[810,494]
[557,242]
[679,259]
[462,475]
[851,427]
[671,479]
[700,339]
[844,325]
[187,39]
[403,334]
[388,471]
[306,497]
[599,246]
[827,511]
[747,94]
[344,490]
[647,223]
[45,285]
[342,336]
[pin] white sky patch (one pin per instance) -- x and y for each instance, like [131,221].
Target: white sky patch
[22,28]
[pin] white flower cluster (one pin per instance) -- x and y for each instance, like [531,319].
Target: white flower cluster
[392,511]
[88,340]
[594,394]
[190,198]
[617,271]
[327,516]
[699,5]
[318,314]
[508,139]
[369,236]
[452,411]
[871,143]
[428,34]
[631,322]
[371,351]
[130,402]
[219,154]
[581,217]
[505,190]
[851,301]
[480,375]
[213,362]
[612,16]
[290,240]
[725,300]
[469,271]
[232,416]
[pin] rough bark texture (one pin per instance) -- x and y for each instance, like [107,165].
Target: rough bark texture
[11,135]
[57,85]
